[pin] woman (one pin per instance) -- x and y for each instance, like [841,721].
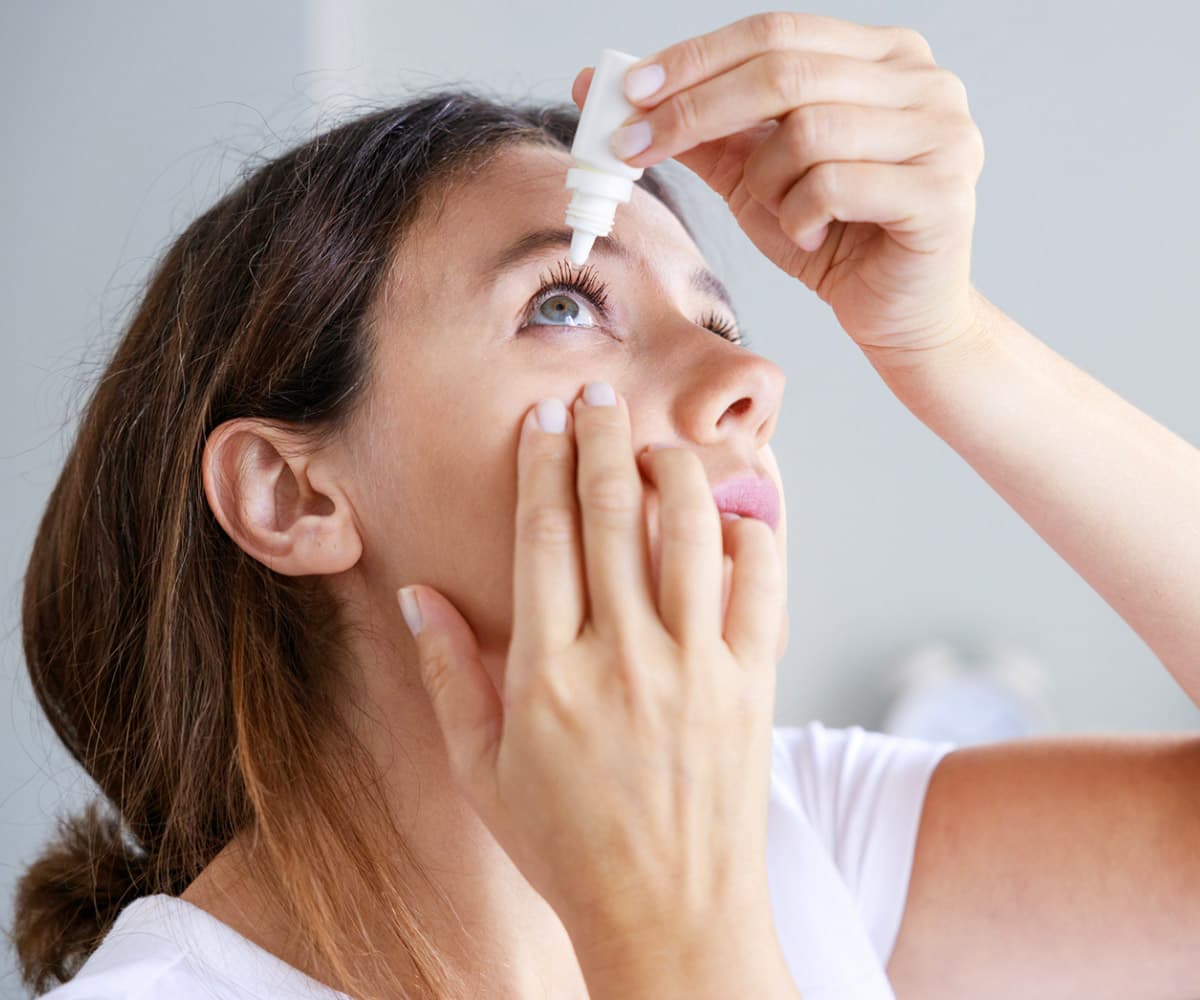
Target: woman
[559,778]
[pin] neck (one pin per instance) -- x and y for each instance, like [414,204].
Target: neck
[499,938]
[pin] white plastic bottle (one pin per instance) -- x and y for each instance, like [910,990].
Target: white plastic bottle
[600,180]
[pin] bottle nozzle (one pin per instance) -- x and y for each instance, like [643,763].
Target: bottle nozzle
[598,180]
[581,246]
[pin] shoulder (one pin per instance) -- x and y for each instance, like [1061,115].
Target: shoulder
[859,795]
[145,955]
[839,775]
[162,946]
[139,979]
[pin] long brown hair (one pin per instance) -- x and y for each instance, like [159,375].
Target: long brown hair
[191,682]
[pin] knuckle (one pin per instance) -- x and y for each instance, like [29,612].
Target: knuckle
[689,524]
[965,151]
[550,699]
[692,57]
[911,44]
[788,75]
[609,492]
[545,524]
[974,142]
[810,127]
[552,450]
[761,183]
[627,658]
[947,88]
[684,114]
[772,29]
[824,183]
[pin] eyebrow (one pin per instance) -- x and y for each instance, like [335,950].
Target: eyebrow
[538,241]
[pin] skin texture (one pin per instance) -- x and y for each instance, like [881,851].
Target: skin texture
[423,487]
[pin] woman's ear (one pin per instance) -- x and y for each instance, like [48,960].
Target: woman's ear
[278,500]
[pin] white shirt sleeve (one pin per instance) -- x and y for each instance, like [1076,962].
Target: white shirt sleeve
[863,793]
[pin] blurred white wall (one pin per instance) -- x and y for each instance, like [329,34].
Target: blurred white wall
[123,121]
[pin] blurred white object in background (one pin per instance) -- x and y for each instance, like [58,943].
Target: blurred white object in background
[941,694]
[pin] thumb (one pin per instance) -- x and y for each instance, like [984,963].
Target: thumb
[582,84]
[468,709]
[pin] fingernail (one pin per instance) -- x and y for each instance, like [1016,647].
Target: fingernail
[630,139]
[728,515]
[599,394]
[640,83]
[552,415]
[410,609]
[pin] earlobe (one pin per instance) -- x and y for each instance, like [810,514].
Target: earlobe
[277,500]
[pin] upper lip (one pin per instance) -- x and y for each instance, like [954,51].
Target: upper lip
[749,495]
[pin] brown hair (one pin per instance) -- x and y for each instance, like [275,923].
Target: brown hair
[191,682]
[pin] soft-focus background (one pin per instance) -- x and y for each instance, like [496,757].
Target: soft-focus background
[122,121]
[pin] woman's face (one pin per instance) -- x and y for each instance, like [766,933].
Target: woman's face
[465,345]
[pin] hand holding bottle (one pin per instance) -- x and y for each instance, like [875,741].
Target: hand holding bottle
[844,152]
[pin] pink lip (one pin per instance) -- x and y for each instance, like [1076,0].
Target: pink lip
[750,496]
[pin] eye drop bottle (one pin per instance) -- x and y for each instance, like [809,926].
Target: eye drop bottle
[599,180]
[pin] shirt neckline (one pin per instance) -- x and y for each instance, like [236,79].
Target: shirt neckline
[221,951]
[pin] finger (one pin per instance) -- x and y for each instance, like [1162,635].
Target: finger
[917,206]
[465,703]
[814,133]
[719,163]
[548,594]
[583,81]
[690,552]
[726,580]
[702,57]
[611,501]
[753,616]
[769,86]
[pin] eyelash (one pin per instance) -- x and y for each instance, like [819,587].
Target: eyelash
[586,282]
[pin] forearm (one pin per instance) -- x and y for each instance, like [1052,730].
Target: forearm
[1116,494]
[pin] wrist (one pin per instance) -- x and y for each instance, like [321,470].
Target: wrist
[721,956]
[909,371]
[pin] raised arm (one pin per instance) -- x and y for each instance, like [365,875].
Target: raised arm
[850,159]
[1064,868]
[1113,492]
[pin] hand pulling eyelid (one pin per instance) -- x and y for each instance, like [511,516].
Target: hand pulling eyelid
[599,180]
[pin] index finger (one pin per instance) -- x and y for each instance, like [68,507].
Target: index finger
[694,60]
[548,582]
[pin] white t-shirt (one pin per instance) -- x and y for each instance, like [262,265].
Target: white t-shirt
[844,809]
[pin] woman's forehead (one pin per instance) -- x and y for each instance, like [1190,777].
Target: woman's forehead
[521,190]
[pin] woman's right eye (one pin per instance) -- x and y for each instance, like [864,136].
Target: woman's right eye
[561,308]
